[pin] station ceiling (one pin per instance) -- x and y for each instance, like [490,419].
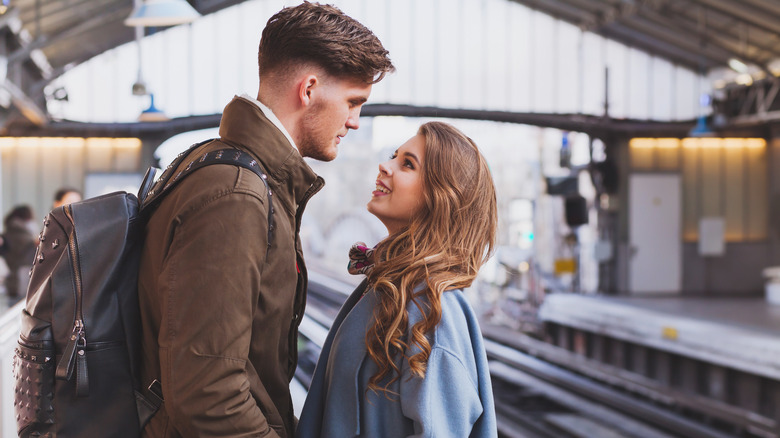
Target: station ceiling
[73,31]
[44,37]
[699,34]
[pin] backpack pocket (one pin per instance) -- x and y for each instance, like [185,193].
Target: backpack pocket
[34,392]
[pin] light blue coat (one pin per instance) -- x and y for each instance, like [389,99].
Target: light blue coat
[455,399]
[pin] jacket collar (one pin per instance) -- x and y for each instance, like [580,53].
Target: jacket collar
[244,123]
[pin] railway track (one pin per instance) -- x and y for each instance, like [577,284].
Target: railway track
[533,398]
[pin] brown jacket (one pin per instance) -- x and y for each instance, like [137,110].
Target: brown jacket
[220,308]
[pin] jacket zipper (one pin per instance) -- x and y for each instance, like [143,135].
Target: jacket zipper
[75,351]
[299,303]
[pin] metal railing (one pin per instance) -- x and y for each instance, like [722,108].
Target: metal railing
[10,325]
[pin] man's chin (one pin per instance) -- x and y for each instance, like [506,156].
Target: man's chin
[324,155]
[330,154]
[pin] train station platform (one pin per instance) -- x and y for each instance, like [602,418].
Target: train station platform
[737,333]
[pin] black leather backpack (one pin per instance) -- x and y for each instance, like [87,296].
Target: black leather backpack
[76,366]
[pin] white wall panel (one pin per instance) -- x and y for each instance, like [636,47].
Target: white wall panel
[226,37]
[424,69]
[568,69]
[250,15]
[203,71]
[400,43]
[686,98]
[663,88]
[472,61]
[496,66]
[518,51]
[447,53]
[640,90]
[153,65]
[619,79]
[593,74]
[543,63]
[176,93]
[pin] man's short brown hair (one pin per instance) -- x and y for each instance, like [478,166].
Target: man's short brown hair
[325,36]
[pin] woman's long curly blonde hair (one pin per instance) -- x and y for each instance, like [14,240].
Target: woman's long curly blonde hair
[443,248]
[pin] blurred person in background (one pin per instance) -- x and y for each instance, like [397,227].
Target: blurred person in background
[405,355]
[19,241]
[65,196]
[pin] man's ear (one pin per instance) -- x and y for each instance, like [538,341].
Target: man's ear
[306,88]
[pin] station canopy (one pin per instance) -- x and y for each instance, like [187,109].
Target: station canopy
[46,37]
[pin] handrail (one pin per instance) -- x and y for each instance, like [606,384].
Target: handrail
[10,326]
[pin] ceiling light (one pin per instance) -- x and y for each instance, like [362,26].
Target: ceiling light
[737,65]
[162,13]
[744,79]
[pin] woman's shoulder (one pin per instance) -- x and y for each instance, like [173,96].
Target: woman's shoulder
[457,311]
[459,325]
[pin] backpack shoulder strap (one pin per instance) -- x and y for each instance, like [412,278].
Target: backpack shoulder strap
[168,180]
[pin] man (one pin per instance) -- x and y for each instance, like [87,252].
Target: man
[221,297]
[65,196]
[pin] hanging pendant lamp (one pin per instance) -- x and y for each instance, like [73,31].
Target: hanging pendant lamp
[160,13]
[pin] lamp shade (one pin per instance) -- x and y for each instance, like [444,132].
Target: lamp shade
[162,13]
[152,114]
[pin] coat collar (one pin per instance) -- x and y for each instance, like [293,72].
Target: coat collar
[244,123]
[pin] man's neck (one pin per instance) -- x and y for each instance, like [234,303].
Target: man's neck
[273,114]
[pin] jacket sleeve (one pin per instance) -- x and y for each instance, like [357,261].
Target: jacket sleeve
[211,282]
[444,403]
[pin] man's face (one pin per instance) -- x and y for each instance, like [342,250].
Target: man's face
[334,110]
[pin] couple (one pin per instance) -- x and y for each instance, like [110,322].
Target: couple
[222,297]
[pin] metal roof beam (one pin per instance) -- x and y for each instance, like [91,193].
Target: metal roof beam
[43,41]
[62,8]
[695,41]
[744,13]
[559,9]
[25,104]
[770,6]
[721,36]
[593,125]
[611,27]
[631,37]
[683,40]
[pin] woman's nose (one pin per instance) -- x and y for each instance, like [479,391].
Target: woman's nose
[385,168]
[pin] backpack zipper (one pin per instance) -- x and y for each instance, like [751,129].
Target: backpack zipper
[75,351]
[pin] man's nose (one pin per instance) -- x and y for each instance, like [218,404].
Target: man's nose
[353,121]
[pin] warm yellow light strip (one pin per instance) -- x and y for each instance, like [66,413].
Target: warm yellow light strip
[70,142]
[755,143]
[697,143]
[667,143]
[642,143]
[127,143]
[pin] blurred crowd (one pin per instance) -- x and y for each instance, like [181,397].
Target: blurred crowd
[18,242]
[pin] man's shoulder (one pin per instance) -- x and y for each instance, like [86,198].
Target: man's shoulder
[213,184]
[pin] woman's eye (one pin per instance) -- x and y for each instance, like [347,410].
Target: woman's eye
[408,164]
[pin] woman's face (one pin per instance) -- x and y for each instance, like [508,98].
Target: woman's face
[399,186]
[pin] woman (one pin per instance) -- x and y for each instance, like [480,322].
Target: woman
[405,357]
